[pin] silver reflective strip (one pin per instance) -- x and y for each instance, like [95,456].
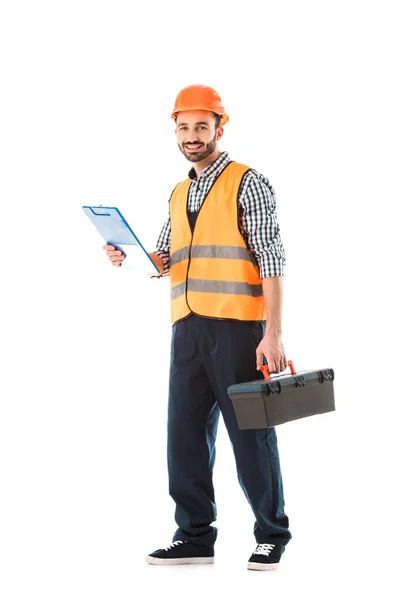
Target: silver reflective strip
[225,287]
[218,287]
[178,290]
[221,252]
[179,255]
[233,252]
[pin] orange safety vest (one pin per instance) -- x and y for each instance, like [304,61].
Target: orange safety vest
[212,272]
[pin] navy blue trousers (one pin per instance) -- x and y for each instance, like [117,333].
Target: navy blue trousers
[207,356]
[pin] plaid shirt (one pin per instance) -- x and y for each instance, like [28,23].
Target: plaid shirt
[257,217]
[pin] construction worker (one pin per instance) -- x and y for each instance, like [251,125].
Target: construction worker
[222,249]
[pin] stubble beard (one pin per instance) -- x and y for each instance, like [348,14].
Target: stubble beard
[209,149]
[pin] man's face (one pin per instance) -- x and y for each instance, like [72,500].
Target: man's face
[195,133]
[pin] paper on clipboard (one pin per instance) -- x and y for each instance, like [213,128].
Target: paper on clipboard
[115,230]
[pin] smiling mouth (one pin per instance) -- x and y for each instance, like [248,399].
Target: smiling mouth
[194,147]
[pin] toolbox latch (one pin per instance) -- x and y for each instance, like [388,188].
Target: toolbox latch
[325,375]
[299,381]
[274,387]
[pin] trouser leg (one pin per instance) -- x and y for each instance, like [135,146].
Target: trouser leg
[228,349]
[192,426]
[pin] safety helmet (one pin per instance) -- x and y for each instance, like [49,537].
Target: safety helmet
[199,97]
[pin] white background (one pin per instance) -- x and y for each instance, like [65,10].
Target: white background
[87,88]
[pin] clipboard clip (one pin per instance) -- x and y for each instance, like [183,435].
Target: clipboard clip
[100,214]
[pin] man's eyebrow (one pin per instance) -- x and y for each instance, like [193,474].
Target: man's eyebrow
[198,123]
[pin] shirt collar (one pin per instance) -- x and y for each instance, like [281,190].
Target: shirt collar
[213,169]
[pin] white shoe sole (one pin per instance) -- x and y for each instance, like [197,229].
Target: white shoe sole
[262,566]
[199,560]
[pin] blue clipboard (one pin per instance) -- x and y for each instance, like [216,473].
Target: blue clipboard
[114,228]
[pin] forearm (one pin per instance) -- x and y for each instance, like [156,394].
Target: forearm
[161,255]
[271,346]
[273,296]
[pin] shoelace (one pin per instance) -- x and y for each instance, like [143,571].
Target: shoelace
[174,544]
[264,549]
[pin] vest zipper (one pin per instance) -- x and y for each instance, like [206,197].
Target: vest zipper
[192,230]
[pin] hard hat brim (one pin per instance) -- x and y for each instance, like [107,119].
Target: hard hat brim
[224,117]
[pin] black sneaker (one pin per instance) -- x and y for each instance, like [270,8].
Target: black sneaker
[265,557]
[182,553]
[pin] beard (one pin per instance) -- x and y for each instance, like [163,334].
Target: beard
[202,153]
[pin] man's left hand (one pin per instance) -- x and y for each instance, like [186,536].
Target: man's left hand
[272,348]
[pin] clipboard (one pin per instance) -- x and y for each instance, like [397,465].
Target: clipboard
[115,229]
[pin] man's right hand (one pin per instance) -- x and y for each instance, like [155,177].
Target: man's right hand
[115,256]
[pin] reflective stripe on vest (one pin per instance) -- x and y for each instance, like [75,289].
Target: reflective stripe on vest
[216,287]
[211,270]
[212,252]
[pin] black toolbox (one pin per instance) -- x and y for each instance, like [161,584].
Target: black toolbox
[275,400]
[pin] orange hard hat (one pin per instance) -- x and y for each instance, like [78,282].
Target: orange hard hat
[199,97]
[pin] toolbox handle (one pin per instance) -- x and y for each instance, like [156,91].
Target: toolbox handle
[265,370]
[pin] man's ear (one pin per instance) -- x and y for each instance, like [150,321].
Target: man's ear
[220,133]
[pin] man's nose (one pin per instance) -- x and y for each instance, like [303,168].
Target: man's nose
[192,136]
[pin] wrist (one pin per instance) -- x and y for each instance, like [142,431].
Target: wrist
[273,331]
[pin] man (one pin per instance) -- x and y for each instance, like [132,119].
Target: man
[221,247]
